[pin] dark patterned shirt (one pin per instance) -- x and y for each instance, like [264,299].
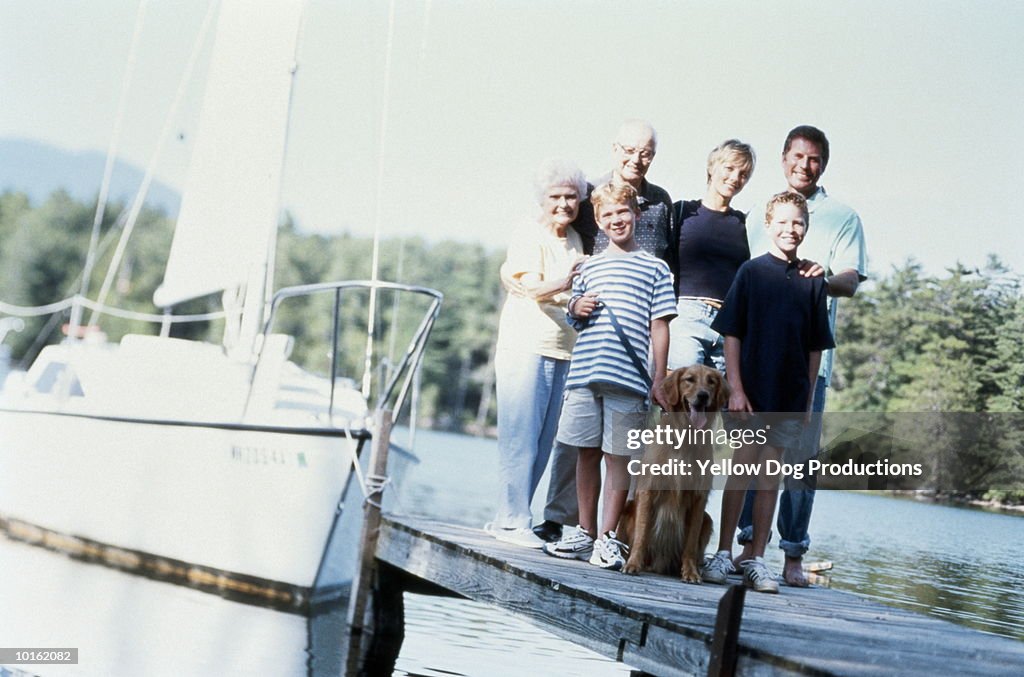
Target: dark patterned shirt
[652,228]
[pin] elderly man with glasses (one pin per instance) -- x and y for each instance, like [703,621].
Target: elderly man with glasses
[632,153]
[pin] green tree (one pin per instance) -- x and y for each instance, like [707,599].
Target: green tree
[947,345]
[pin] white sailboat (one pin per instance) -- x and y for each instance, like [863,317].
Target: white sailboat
[224,467]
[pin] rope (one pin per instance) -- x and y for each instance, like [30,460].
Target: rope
[35,311]
[99,308]
[108,169]
[353,458]
[140,196]
[370,484]
[375,485]
[57,306]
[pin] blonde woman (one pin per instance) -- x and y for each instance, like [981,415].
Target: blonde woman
[707,247]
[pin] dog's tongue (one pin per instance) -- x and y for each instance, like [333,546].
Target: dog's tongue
[698,418]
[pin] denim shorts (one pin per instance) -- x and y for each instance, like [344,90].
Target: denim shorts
[691,338]
[600,415]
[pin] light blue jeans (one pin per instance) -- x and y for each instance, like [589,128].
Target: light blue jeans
[795,505]
[691,338]
[529,389]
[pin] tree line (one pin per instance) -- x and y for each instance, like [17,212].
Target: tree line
[947,347]
[43,250]
[910,341]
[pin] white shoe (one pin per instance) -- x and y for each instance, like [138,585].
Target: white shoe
[609,552]
[523,536]
[717,568]
[758,576]
[575,543]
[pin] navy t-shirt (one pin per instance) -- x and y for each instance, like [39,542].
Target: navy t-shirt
[710,247]
[780,317]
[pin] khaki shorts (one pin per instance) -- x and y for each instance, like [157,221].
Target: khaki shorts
[600,415]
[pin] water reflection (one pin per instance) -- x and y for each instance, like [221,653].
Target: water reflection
[962,565]
[953,563]
[125,624]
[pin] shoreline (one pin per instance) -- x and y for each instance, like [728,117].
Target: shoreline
[925,496]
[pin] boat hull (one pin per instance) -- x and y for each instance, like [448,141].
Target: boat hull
[257,504]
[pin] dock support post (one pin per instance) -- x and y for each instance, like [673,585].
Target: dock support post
[381,647]
[727,632]
[376,604]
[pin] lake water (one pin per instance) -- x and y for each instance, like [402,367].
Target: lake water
[963,565]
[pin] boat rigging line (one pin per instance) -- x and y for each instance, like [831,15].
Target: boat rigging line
[108,168]
[379,198]
[165,133]
[271,258]
[99,308]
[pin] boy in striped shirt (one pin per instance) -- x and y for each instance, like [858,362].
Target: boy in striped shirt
[622,303]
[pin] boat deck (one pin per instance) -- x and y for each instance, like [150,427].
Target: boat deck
[663,626]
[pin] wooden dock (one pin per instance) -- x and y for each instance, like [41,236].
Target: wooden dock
[662,626]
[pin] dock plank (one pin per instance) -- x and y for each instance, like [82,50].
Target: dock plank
[664,627]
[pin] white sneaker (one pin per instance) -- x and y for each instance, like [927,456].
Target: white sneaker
[609,552]
[575,543]
[717,568]
[758,576]
[523,536]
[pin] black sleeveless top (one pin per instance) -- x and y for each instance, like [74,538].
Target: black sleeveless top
[707,248]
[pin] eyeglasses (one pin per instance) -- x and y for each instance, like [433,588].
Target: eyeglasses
[645,154]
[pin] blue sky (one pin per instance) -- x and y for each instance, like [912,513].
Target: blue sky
[922,102]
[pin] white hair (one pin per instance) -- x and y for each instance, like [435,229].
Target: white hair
[637,125]
[559,172]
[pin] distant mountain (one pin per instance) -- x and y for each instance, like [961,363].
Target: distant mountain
[38,169]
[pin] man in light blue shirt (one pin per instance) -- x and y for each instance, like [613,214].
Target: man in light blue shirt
[835,239]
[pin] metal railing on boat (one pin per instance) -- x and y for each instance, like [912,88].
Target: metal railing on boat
[394,391]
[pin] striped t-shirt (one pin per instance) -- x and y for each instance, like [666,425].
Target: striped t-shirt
[636,288]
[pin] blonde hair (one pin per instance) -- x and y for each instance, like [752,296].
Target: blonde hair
[732,148]
[787,198]
[614,194]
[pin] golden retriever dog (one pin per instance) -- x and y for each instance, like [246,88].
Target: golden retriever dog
[666,526]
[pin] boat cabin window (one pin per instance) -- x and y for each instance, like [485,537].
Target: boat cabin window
[53,375]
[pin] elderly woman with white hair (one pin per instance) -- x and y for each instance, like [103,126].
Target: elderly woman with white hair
[534,345]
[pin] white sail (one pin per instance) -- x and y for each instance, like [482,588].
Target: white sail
[230,206]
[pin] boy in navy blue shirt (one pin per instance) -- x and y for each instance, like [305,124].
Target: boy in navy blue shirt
[775,323]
